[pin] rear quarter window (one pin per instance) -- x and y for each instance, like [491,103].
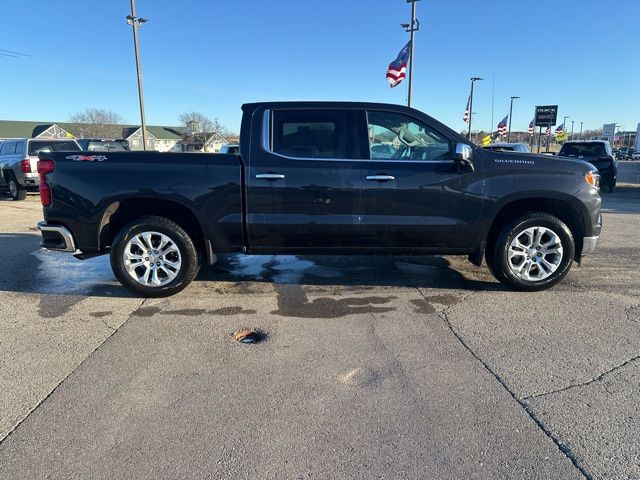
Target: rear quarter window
[47,146]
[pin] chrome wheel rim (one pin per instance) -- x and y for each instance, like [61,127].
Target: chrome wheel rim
[535,254]
[152,259]
[13,188]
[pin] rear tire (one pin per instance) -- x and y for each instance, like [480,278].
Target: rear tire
[532,253]
[154,257]
[17,191]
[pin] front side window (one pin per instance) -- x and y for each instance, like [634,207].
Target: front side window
[393,136]
[308,133]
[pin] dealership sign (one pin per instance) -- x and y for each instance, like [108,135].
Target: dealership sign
[546,115]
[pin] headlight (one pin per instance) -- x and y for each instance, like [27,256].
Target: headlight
[593,179]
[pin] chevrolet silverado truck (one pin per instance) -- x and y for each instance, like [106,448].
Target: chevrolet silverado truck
[307,182]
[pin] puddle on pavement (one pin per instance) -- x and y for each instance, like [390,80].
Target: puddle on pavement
[61,273]
[278,268]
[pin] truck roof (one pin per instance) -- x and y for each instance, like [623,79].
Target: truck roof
[247,108]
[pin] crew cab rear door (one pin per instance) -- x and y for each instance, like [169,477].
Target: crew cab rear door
[303,181]
[414,195]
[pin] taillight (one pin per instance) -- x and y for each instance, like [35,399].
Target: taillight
[25,165]
[45,167]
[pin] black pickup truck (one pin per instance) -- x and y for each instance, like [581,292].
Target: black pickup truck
[322,177]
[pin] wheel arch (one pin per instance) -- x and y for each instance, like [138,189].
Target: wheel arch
[568,210]
[120,212]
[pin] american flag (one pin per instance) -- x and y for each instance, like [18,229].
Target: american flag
[397,68]
[532,127]
[502,126]
[465,117]
[560,129]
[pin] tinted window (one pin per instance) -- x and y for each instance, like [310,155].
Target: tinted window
[104,146]
[309,134]
[501,149]
[586,150]
[20,147]
[396,136]
[8,148]
[37,146]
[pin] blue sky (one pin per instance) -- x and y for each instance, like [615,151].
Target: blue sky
[212,56]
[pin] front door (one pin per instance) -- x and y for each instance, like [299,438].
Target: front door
[304,182]
[414,195]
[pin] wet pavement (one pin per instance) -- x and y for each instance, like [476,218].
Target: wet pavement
[371,367]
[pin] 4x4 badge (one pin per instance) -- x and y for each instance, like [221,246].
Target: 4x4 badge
[87,158]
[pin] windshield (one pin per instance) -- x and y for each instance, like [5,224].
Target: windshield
[586,149]
[47,146]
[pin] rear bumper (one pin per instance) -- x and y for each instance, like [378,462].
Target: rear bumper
[56,237]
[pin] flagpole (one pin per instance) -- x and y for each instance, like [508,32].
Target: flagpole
[473,80]
[412,29]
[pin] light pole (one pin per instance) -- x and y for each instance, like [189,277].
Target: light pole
[136,23]
[414,27]
[473,80]
[510,114]
[572,122]
[564,123]
[580,137]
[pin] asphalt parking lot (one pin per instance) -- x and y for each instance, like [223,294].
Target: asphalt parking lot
[386,367]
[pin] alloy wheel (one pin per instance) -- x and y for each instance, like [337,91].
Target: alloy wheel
[535,253]
[152,259]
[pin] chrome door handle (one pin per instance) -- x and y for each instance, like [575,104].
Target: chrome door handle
[380,178]
[270,176]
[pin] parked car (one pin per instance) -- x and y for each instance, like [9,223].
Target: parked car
[599,154]
[630,153]
[509,147]
[230,149]
[18,162]
[103,145]
[307,182]
[635,156]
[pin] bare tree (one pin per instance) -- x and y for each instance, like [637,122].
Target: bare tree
[201,124]
[96,122]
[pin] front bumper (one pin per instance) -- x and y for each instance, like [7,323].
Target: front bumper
[56,237]
[589,245]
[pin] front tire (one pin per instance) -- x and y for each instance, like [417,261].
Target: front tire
[17,191]
[532,253]
[154,257]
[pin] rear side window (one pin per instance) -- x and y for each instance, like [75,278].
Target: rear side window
[47,146]
[8,148]
[309,133]
[585,150]
[20,147]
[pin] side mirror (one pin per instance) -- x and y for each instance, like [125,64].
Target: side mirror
[463,155]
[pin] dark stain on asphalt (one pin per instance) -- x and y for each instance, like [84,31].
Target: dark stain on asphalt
[100,314]
[187,312]
[56,306]
[426,305]
[293,302]
[231,311]
[148,312]
[423,306]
